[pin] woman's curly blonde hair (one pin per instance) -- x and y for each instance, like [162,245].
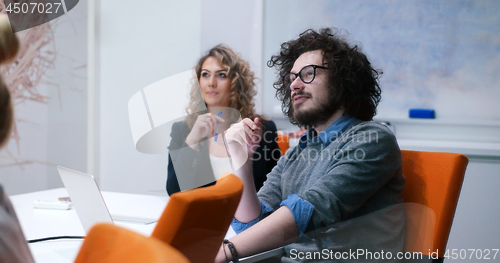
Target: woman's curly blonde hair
[242,84]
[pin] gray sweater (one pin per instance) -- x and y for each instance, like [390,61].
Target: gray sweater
[354,184]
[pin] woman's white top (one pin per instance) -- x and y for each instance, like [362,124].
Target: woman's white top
[220,165]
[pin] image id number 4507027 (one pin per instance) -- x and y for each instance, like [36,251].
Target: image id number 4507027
[32,8]
[471,253]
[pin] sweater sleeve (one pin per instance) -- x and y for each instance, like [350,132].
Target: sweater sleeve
[366,178]
[301,210]
[271,192]
[239,227]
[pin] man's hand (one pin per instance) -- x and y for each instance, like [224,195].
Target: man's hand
[242,140]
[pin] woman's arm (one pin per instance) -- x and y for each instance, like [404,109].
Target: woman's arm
[267,155]
[242,139]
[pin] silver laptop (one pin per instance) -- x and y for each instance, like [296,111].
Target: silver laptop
[88,202]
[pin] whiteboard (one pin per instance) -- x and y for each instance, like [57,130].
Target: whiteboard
[443,55]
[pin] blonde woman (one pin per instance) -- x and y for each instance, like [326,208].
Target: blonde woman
[227,88]
[13,245]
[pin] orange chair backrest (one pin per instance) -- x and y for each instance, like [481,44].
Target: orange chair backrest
[434,181]
[283,143]
[195,221]
[107,243]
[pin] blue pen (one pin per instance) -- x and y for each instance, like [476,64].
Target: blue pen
[217,130]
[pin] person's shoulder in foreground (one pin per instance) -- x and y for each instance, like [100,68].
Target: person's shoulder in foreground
[340,187]
[13,245]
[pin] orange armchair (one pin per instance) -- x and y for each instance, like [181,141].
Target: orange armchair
[433,184]
[283,143]
[107,243]
[195,221]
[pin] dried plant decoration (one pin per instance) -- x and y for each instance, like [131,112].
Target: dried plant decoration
[23,76]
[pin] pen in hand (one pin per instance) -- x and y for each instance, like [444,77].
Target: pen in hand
[217,129]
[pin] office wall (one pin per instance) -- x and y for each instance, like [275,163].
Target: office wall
[50,97]
[475,225]
[138,43]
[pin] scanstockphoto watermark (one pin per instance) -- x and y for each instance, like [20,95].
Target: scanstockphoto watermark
[347,153]
[349,146]
[371,136]
[353,254]
[365,254]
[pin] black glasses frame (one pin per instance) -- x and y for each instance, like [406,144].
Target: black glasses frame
[300,76]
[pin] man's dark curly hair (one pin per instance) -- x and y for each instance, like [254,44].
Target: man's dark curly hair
[353,83]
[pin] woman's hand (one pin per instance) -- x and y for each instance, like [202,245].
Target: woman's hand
[242,140]
[204,126]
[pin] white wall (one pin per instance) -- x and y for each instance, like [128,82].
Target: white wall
[237,24]
[138,43]
[52,132]
[475,225]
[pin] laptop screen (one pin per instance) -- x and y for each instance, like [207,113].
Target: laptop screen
[85,196]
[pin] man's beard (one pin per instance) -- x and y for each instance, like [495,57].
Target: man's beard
[315,115]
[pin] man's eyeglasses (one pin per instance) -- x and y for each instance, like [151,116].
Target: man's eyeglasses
[306,74]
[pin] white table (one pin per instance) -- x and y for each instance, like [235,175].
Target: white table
[42,223]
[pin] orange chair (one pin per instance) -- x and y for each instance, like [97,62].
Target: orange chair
[283,143]
[195,222]
[433,184]
[107,243]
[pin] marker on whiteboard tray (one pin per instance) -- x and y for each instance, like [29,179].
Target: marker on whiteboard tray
[217,129]
[422,113]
